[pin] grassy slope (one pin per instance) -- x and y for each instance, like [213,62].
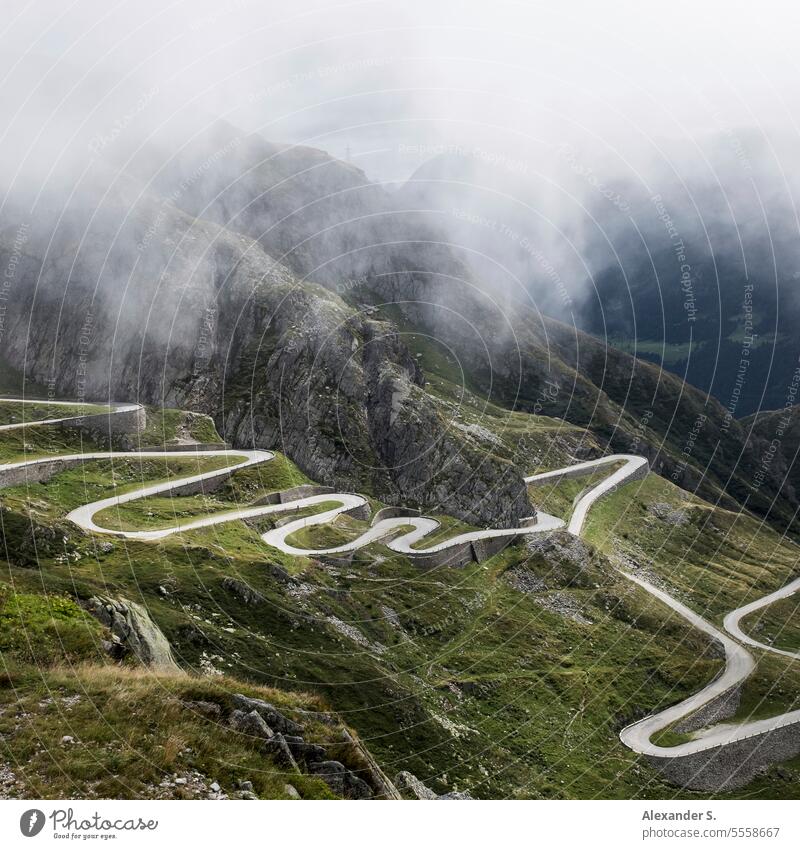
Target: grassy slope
[712,559]
[132,727]
[14,412]
[557,498]
[165,425]
[456,675]
[162,426]
[777,624]
[103,478]
[133,730]
[54,673]
[533,443]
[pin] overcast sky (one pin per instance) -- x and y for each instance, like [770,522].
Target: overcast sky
[387,83]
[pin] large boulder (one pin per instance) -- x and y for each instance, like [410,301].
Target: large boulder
[341,781]
[133,626]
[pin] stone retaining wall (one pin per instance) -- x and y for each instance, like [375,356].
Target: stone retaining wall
[287,495]
[112,423]
[463,553]
[733,765]
[455,556]
[188,447]
[35,472]
[209,484]
[360,511]
[483,549]
[394,513]
[718,709]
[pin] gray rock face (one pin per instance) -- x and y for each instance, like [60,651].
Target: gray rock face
[271,715]
[341,781]
[562,560]
[411,787]
[668,514]
[244,592]
[302,751]
[449,473]
[132,625]
[252,724]
[279,749]
[203,309]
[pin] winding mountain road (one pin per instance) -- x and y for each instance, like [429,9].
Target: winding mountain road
[732,620]
[739,663]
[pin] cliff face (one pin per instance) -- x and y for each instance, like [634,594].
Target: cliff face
[126,297]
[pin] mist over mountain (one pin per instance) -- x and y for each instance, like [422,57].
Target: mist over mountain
[400,401]
[689,261]
[282,291]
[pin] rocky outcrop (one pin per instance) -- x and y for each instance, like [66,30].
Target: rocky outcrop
[556,561]
[460,479]
[341,781]
[410,787]
[26,541]
[244,592]
[268,712]
[131,624]
[284,740]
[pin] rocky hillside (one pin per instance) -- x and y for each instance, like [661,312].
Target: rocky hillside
[331,225]
[282,299]
[122,731]
[127,297]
